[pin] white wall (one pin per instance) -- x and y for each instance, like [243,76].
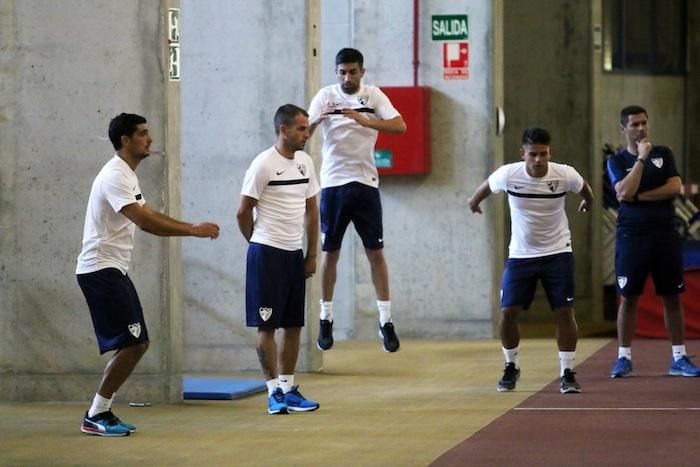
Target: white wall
[241,60]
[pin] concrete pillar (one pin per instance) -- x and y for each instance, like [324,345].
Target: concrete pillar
[57,95]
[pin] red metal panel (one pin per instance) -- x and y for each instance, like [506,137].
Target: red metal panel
[410,152]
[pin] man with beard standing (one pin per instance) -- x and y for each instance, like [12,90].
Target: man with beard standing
[115,207]
[646,181]
[280,187]
[351,115]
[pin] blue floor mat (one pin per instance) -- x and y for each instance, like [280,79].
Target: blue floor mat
[206,388]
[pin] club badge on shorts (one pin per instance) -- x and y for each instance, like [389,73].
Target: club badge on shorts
[265,313]
[622,281]
[135,329]
[657,161]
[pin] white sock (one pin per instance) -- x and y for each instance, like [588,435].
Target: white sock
[512,355]
[624,352]
[272,384]
[286,382]
[327,311]
[678,351]
[566,361]
[384,308]
[111,401]
[99,404]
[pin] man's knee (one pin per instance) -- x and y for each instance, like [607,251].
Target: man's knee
[509,314]
[330,258]
[629,304]
[375,257]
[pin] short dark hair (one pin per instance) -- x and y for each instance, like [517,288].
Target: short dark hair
[286,114]
[348,55]
[631,110]
[123,125]
[536,136]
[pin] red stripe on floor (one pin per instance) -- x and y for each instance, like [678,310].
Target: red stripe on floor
[658,426]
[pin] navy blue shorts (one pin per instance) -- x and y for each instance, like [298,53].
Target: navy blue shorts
[354,202]
[658,253]
[275,287]
[115,308]
[521,275]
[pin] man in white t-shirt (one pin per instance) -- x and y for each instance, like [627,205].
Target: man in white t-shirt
[278,203]
[540,249]
[115,207]
[351,115]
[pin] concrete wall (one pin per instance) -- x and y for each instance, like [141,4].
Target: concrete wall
[547,63]
[230,90]
[662,96]
[66,68]
[241,61]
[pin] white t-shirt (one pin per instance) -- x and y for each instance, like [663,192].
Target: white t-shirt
[108,235]
[348,147]
[281,187]
[539,226]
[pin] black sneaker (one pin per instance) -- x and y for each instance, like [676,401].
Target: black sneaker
[391,340]
[510,377]
[325,335]
[568,382]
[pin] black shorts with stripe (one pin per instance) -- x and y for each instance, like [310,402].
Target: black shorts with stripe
[275,287]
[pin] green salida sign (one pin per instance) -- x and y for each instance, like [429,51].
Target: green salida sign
[450,27]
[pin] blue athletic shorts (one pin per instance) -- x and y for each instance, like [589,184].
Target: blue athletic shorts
[521,275]
[658,253]
[354,202]
[115,308]
[275,287]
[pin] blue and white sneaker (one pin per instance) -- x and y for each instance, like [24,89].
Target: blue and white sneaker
[298,403]
[683,367]
[104,424]
[131,427]
[276,403]
[622,369]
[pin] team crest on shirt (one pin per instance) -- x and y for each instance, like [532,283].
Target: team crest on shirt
[265,313]
[622,281]
[363,100]
[302,168]
[657,161]
[553,185]
[135,329]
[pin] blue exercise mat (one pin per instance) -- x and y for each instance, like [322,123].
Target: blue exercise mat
[201,388]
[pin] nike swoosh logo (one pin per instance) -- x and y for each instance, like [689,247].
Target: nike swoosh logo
[569,299]
[280,173]
[680,286]
[627,170]
[517,187]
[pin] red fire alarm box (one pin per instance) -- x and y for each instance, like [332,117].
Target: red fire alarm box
[408,153]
